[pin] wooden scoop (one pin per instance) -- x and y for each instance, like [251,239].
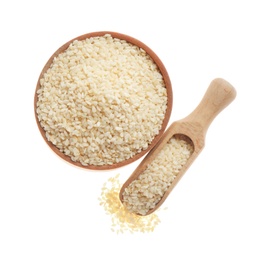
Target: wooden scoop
[192,128]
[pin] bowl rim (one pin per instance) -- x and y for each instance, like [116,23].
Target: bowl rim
[166,79]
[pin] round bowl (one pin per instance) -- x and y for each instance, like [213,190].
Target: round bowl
[168,86]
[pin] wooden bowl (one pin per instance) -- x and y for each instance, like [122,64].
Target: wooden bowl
[166,81]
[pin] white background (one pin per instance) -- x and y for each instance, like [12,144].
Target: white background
[49,209]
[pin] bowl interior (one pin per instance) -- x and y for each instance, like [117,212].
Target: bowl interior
[162,70]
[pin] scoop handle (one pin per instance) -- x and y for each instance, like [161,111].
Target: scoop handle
[219,95]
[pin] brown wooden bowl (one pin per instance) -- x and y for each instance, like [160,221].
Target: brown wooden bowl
[167,84]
